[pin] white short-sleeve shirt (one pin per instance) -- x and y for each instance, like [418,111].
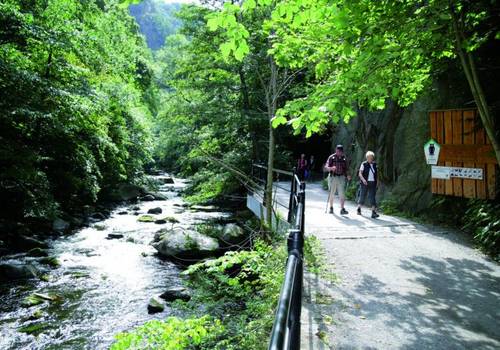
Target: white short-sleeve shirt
[371,173]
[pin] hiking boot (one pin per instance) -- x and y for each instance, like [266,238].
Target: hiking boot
[343,212]
[374,215]
[359,211]
[331,210]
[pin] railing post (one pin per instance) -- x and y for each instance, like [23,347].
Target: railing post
[302,196]
[296,247]
[291,202]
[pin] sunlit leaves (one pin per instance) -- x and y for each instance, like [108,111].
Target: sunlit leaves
[363,52]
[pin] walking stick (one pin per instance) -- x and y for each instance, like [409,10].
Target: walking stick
[328,201]
[329,194]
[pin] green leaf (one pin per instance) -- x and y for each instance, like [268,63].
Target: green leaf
[225,49]
[213,23]
[249,5]
[242,50]
[278,120]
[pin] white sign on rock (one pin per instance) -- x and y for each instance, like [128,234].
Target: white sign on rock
[441,172]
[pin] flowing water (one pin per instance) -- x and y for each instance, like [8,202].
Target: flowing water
[104,284]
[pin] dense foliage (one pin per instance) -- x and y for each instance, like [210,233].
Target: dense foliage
[76,100]
[212,109]
[363,52]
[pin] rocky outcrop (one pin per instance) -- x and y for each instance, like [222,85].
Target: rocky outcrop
[397,136]
[183,243]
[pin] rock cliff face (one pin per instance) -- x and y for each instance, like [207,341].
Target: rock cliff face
[397,137]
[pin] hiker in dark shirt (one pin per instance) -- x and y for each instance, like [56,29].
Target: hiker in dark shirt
[368,176]
[302,167]
[310,167]
[337,166]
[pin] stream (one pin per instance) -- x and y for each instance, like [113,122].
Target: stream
[104,284]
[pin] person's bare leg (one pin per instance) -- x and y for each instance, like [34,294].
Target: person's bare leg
[342,201]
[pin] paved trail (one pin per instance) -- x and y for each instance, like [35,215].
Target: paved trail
[402,285]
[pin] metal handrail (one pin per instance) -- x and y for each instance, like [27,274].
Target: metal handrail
[286,328]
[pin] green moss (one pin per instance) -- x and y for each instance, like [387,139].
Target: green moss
[80,274]
[50,261]
[34,328]
[146,218]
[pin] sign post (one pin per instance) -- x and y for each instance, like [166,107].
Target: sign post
[431,150]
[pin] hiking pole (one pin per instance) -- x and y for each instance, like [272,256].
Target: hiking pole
[328,200]
[329,194]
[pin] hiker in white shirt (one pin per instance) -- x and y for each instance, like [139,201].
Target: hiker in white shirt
[368,176]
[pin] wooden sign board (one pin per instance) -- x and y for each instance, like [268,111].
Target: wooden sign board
[464,144]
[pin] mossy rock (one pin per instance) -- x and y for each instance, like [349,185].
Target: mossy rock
[38,252]
[146,218]
[32,300]
[45,277]
[38,313]
[80,274]
[37,299]
[50,261]
[170,219]
[100,227]
[34,328]
[155,305]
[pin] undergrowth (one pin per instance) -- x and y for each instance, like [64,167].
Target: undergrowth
[315,259]
[232,307]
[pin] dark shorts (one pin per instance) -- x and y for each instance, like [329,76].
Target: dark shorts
[369,189]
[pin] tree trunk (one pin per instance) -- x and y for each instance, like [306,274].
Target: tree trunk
[271,100]
[246,112]
[469,67]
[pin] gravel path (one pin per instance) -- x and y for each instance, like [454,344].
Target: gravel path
[401,285]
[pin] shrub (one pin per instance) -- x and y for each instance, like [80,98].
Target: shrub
[483,220]
[171,334]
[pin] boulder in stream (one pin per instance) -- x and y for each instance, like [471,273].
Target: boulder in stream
[37,298]
[148,198]
[155,305]
[169,219]
[232,233]
[205,208]
[114,236]
[126,192]
[167,180]
[123,212]
[12,271]
[51,261]
[174,293]
[156,210]
[38,252]
[60,225]
[25,243]
[146,218]
[183,243]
